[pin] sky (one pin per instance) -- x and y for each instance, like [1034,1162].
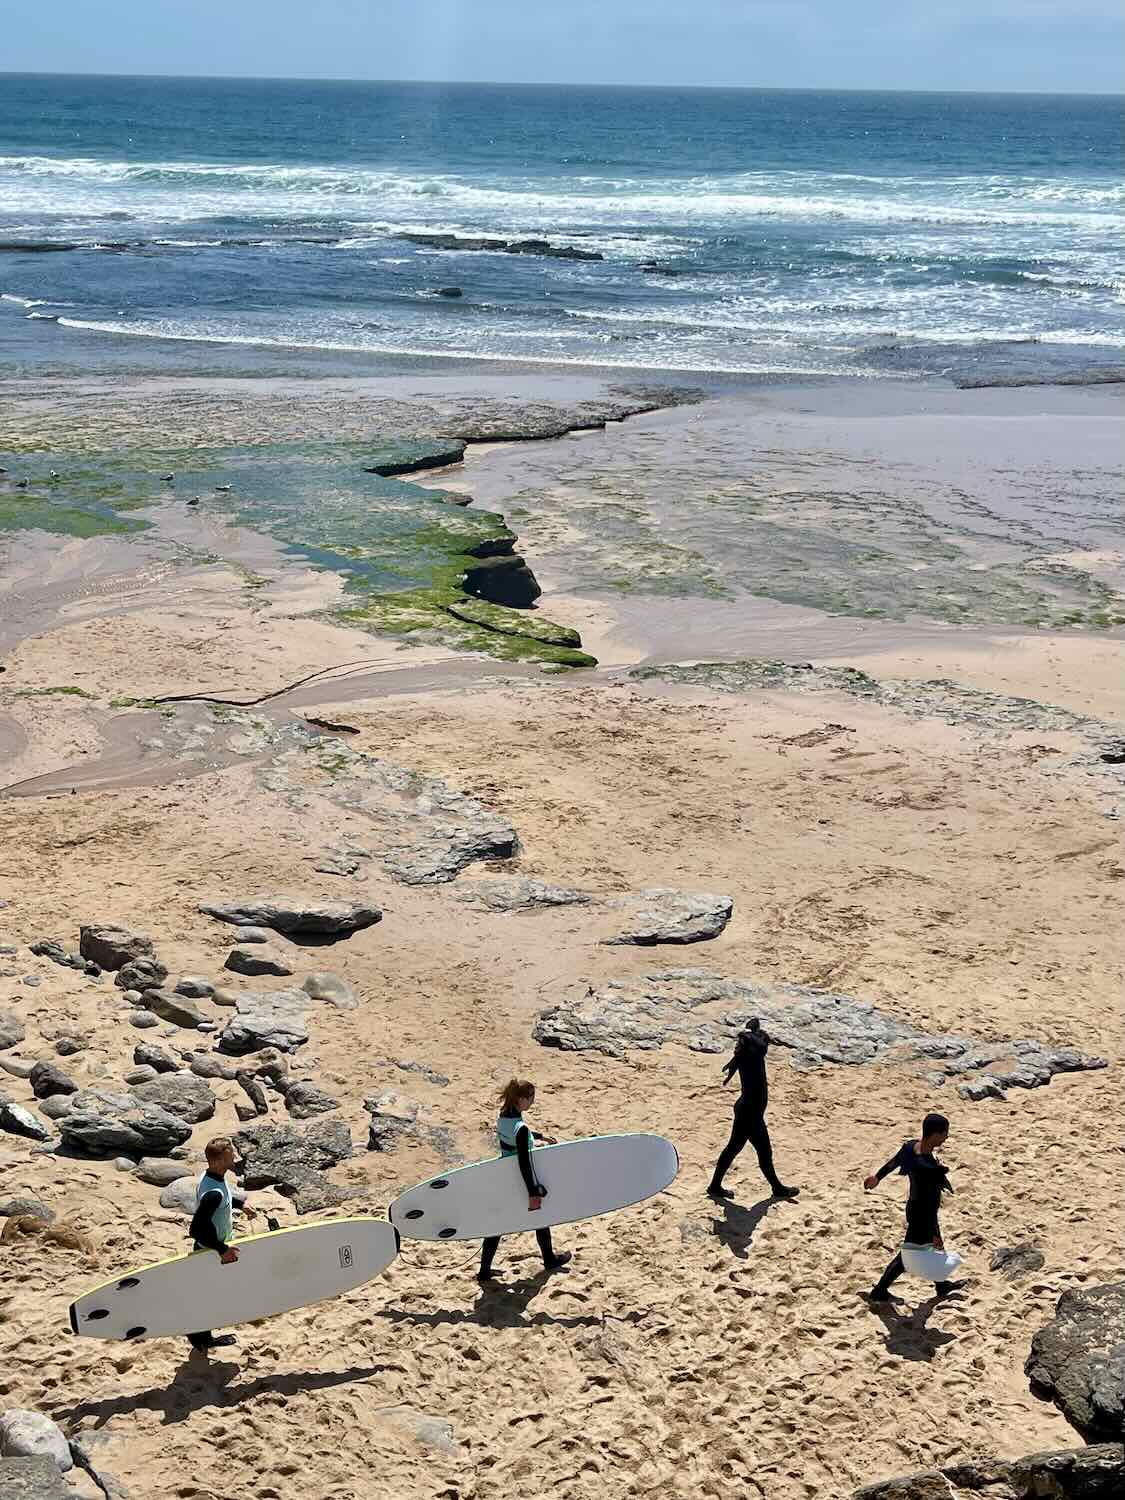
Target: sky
[1035,45]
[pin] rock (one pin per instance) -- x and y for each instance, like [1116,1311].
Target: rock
[141,974]
[294,1160]
[255,1093]
[450,291]
[148,1055]
[304,1100]
[113,947]
[502,580]
[57,1105]
[1078,1361]
[46,1079]
[195,987]
[143,1019]
[408,455]
[393,1119]
[1017,1261]
[98,1128]
[32,1479]
[1094,1473]
[439,1080]
[226,998]
[17,1120]
[515,893]
[176,1009]
[17,1067]
[667,916]
[11,1030]
[69,1046]
[180,1195]
[131,997]
[332,863]
[142,1074]
[282,916]
[208,1065]
[270,1063]
[333,989]
[26,1208]
[245,1111]
[266,1018]
[256,961]
[29,1434]
[59,955]
[159,1171]
[182,1094]
[518,622]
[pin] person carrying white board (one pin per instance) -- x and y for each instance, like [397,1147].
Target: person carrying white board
[928,1178]
[212,1225]
[517,1139]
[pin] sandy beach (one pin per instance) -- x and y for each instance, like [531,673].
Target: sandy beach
[924,822]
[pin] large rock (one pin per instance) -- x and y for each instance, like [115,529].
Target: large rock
[57,1105]
[502,580]
[659,915]
[211,1065]
[29,1434]
[180,1195]
[113,947]
[266,1018]
[304,1100]
[161,1170]
[1095,1473]
[181,1094]
[257,961]
[141,974]
[147,1054]
[293,1161]
[97,1127]
[326,918]
[177,1009]
[19,1121]
[1078,1361]
[47,1079]
[393,1119]
[195,987]
[26,1208]
[515,893]
[407,455]
[32,1479]
[331,988]
[11,1030]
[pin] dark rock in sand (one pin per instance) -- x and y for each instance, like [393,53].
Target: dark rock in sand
[69,1046]
[332,989]
[59,955]
[32,1478]
[502,580]
[256,1094]
[150,1056]
[113,947]
[100,1129]
[46,1079]
[1095,1473]
[195,987]
[515,893]
[410,454]
[266,1018]
[394,1119]
[668,916]
[26,1208]
[12,1030]
[291,917]
[257,961]
[16,1120]
[141,974]
[181,1094]
[304,1100]
[1078,1361]
[293,1161]
[177,1009]
[1017,1260]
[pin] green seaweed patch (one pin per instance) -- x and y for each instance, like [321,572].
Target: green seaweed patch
[514,622]
[66,691]
[165,710]
[34,513]
[424,614]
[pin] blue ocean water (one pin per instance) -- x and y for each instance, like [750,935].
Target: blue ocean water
[760,231]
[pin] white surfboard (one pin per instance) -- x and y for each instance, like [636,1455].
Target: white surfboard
[583,1179]
[930,1264]
[274,1273]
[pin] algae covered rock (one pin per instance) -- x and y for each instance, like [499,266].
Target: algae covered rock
[512,622]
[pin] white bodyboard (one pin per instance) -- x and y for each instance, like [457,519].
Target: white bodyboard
[583,1179]
[274,1273]
[930,1264]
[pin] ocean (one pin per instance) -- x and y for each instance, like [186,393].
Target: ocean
[770,233]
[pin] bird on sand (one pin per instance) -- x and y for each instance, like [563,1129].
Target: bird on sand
[167,478]
[22,484]
[223,489]
[195,499]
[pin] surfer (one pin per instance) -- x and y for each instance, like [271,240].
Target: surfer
[749,1062]
[929,1178]
[517,1139]
[212,1225]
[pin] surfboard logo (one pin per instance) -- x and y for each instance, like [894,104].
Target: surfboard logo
[345,1257]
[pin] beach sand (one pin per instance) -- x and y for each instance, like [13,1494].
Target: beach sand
[957,873]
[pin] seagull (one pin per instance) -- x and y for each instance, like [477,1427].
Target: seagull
[21,484]
[223,489]
[3,471]
[167,478]
[194,500]
[53,474]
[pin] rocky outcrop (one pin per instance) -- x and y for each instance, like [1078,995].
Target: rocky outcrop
[258,961]
[659,915]
[113,947]
[395,1119]
[26,1208]
[499,245]
[181,1094]
[294,1161]
[266,1018]
[502,580]
[519,623]
[181,1193]
[816,1027]
[321,919]
[1078,1361]
[506,893]
[12,1030]
[1096,1473]
[408,455]
[98,1125]
[332,990]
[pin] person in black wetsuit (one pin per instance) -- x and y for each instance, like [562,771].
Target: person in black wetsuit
[211,1225]
[749,1062]
[516,1139]
[929,1178]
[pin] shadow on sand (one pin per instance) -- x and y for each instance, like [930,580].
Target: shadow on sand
[500,1305]
[907,1334]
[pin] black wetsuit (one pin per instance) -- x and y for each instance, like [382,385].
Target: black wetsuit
[535,1189]
[928,1180]
[205,1235]
[749,1126]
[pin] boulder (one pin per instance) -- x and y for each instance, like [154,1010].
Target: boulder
[176,1009]
[98,1128]
[1094,1473]
[304,1100]
[254,935]
[195,987]
[331,988]
[141,974]
[113,947]
[29,1434]
[159,1171]
[11,1030]
[515,893]
[57,1106]
[19,1121]
[1078,1361]
[325,918]
[149,1055]
[69,1046]
[209,1065]
[266,1018]
[393,1119]
[259,1105]
[226,998]
[143,1020]
[659,915]
[257,961]
[32,1479]
[180,1195]
[502,580]
[26,1208]
[140,1074]
[181,1094]
[46,1079]
[17,1067]
[1017,1260]
[293,1161]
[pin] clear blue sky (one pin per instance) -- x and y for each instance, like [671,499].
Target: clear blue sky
[1066,45]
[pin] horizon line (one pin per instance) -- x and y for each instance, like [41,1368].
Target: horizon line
[745,88]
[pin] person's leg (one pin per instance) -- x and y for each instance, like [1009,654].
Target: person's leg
[551,1261]
[882,1287]
[738,1139]
[759,1137]
[487,1252]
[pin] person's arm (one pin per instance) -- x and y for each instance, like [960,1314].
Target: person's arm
[535,1189]
[885,1170]
[202,1228]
